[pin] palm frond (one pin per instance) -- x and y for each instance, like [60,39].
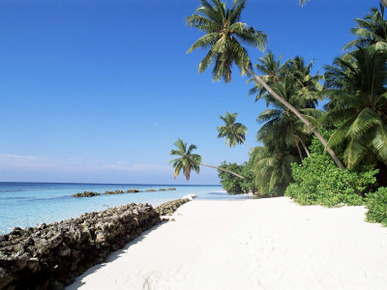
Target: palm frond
[354,152]
[204,41]
[363,122]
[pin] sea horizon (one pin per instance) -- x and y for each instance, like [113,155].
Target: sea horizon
[111,183]
[26,204]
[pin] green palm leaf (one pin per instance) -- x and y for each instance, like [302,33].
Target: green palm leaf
[222,26]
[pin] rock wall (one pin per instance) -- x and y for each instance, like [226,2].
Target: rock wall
[170,207]
[51,256]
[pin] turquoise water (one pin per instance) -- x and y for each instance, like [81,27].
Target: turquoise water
[28,204]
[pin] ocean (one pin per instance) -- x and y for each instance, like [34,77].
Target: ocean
[25,204]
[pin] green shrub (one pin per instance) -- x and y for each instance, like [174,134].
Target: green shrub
[376,204]
[317,180]
[235,185]
[231,183]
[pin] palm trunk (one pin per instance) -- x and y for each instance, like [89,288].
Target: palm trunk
[304,146]
[299,152]
[222,169]
[244,142]
[301,117]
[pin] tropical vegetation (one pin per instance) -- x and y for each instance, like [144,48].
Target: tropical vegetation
[234,133]
[187,161]
[376,204]
[223,29]
[317,180]
[337,155]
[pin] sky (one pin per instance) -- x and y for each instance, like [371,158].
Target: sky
[99,90]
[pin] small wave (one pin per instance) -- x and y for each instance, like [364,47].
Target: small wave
[15,198]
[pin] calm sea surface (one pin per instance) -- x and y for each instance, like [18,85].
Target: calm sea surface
[28,204]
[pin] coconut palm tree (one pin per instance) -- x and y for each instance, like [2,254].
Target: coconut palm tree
[303,89]
[234,133]
[358,104]
[223,29]
[370,30]
[272,169]
[188,161]
[282,128]
[272,73]
[223,32]
[294,82]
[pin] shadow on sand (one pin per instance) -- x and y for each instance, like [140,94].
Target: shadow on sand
[112,257]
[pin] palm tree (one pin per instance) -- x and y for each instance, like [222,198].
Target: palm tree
[188,161]
[357,89]
[235,133]
[294,82]
[302,89]
[272,169]
[272,71]
[283,129]
[371,30]
[223,29]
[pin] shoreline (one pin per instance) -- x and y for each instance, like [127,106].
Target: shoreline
[250,244]
[30,205]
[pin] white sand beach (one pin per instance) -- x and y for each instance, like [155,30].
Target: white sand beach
[250,244]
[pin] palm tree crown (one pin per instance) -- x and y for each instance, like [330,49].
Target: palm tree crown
[357,89]
[235,133]
[187,161]
[371,30]
[293,81]
[223,29]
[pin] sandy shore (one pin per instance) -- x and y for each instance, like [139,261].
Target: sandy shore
[251,244]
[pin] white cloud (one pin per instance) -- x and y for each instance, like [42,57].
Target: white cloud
[16,157]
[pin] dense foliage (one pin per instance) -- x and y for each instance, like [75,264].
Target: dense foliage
[272,170]
[317,180]
[235,185]
[311,171]
[376,204]
[358,105]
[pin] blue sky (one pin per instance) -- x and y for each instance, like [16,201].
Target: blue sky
[98,91]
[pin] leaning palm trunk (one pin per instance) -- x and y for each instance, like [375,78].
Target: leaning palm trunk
[222,169]
[244,142]
[300,116]
[299,151]
[304,146]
